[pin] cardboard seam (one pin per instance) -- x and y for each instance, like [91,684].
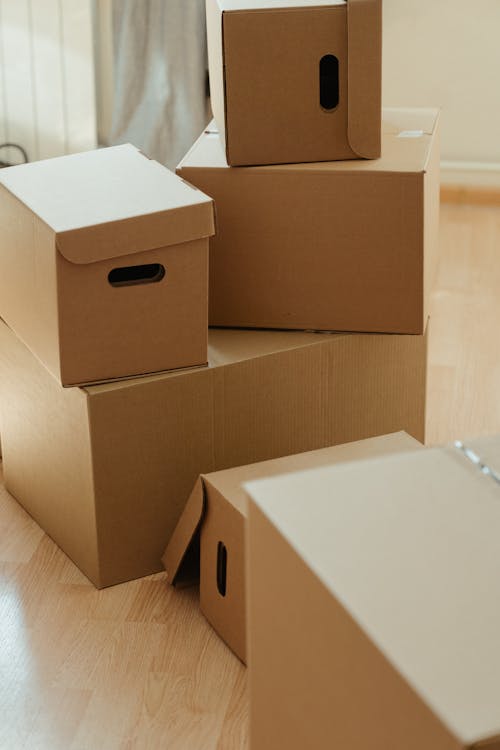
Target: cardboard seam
[92,453]
[216,409]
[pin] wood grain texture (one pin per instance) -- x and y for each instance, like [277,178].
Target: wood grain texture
[471,195]
[136,666]
[464,355]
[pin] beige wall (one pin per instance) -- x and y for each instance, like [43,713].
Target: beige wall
[47,101]
[447,53]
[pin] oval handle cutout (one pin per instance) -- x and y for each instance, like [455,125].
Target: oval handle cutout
[221,568]
[329,82]
[132,275]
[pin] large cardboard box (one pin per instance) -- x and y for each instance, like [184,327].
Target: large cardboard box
[373,603]
[334,246]
[104,264]
[208,543]
[296,80]
[107,469]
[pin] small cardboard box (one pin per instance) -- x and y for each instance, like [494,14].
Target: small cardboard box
[104,264]
[296,80]
[374,611]
[107,469]
[209,541]
[349,246]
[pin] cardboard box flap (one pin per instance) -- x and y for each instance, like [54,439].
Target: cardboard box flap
[181,558]
[110,202]
[364,45]
[138,234]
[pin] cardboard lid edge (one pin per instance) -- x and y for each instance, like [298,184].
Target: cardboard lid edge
[184,533]
[364,49]
[75,247]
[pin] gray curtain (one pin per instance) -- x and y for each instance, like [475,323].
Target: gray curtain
[160,76]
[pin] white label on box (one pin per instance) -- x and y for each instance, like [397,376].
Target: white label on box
[411,134]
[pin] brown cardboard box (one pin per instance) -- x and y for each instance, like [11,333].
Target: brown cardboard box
[334,246]
[209,541]
[78,233]
[296,80]
[373,608]
[107,469]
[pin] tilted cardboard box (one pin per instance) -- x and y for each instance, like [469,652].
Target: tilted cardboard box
[373,607]
[349,246]
[107,469]
[104,264]
[209,541]
[296,80]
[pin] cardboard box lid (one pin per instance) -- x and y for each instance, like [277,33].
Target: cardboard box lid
[181,556]
[408,544]
[406,140]
[364,44]
[110,202]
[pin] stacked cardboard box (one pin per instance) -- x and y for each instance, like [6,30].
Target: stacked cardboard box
[114,399]
[328,220]
[212,530]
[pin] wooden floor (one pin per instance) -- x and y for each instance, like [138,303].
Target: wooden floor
[136,666]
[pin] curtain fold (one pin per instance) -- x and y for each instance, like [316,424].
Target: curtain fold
[159,98]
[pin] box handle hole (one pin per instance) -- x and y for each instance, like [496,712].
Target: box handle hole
[221,568]
[131,275]
[329,82]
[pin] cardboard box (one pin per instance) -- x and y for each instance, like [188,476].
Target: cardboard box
[107,469]
[208,543]
[104,264]
[334,246]
[296,80]
[373,607]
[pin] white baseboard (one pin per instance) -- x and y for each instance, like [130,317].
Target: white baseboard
[471,174]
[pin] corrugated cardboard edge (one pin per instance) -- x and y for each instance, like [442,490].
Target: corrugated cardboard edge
[364,50]
[143,233]
[183,541]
